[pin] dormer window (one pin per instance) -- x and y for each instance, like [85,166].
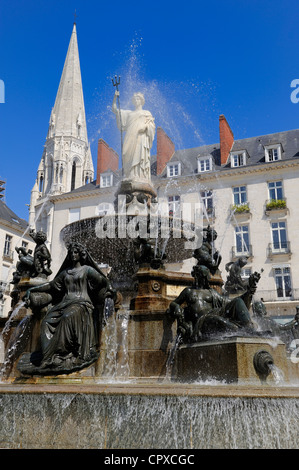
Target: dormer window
[273,153]
[173,169]
[106,180]
[204,164]
[238,158]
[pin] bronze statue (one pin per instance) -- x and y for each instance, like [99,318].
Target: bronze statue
[207,313]
[234,282]
[69,333]
[206,255]
[25,265]
[42,257]
[146,253]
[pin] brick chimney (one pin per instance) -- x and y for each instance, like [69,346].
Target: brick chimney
[107,159]
[165,150]
[226,139]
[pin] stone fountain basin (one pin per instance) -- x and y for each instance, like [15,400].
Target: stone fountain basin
[111,244]
[147,416]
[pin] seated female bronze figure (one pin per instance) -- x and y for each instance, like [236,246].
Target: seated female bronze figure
[70,329]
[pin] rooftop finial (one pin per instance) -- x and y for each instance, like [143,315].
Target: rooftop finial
[75,16]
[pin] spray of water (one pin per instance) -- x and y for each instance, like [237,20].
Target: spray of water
[163,99]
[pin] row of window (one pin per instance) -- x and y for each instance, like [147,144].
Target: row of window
[274,189]
[279,243]
[240,158]
[236,159]
[275,192]
[174,202]
[205,164]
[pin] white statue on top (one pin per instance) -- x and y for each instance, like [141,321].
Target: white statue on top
[139,126]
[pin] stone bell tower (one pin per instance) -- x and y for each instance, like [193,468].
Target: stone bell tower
[66,162]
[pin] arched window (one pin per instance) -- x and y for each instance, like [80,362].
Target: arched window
[73,181]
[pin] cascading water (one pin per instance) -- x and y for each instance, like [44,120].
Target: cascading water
[8,324]
[109,340]
[171,357]
[103,421]
[277,374]
[124,369]
[114,344]
[16,341]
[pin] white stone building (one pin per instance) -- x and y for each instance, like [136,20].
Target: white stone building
[249,187]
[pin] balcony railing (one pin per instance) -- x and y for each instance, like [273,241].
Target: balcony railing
[246,251]
[279,248]
[277,295]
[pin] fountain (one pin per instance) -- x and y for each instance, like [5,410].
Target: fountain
[141,357]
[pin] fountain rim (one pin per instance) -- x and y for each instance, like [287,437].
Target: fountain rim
[148,388]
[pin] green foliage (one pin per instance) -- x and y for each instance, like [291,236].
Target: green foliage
[239,208]
[276,204]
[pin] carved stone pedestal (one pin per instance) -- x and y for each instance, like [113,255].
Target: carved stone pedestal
[145,333]
[157,288]
[233,360]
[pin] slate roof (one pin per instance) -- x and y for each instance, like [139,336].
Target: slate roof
[9,216]
[255,147]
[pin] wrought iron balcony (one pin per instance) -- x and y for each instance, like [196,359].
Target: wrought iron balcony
[277,295]
[245,251]
[278,248]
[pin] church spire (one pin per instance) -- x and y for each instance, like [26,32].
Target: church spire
[66,162]
[68,115]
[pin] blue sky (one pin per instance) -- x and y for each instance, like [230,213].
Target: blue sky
[194,60]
